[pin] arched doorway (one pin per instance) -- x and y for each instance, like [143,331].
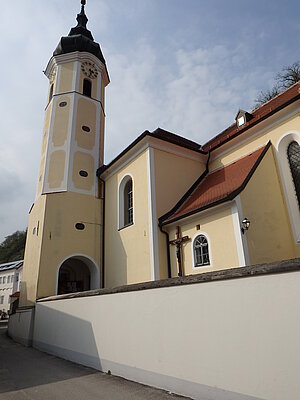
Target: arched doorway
[77,274]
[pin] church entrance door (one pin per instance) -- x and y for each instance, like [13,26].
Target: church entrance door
[74,276]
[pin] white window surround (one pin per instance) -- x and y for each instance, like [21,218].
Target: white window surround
[201,267]
[287,180]
[121,216]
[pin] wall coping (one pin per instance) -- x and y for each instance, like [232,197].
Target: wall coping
[278,267]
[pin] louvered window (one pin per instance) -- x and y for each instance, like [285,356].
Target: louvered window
[293,153]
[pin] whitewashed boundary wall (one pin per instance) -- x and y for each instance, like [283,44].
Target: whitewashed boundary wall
[218,338]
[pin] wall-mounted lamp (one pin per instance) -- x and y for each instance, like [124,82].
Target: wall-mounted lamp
[245,225]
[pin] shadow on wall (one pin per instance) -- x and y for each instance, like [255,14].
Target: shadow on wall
[56,332]
[26,367]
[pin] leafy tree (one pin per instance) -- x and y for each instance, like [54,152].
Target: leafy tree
[12,248]
[284,79]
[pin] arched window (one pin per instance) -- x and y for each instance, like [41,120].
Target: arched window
[87,87]
[51,92]
[293,153]
[126,202]
[288,154]
[201,251]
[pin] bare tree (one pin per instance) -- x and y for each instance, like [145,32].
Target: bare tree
[263,97]
[288,75]
[284,79]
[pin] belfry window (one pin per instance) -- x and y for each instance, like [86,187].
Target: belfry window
[126,206]
[293,153]
[201,251]
[87,88]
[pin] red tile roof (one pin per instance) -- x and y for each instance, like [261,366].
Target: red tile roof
[261,113]
[217,186]
[16,294]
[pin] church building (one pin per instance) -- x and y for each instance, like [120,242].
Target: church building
[166,206]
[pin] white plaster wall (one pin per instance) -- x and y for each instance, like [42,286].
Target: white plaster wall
[234,339]
[20,326]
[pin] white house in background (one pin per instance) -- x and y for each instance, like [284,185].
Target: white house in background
[10,278]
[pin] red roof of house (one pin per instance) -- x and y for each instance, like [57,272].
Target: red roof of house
[258,115]
[16,294]
[216,187]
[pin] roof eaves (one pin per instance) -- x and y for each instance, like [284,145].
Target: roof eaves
[157,134]
[249,125]
[104,167]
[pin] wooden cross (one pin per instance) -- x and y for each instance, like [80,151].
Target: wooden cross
[178,242]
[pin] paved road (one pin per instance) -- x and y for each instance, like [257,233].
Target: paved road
[28,374]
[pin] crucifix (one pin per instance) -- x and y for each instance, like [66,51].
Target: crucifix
[178,242]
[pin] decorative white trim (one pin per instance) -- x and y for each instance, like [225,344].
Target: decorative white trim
[240,239]
[76,77]
[90,263]
[287,180]
[201,267]
[153,222]
[70,57]
[155,143]
[125,178]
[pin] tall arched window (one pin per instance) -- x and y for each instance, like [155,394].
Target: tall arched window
[126,210]
[128,203]
[201,251]
[87,87]
[293,153]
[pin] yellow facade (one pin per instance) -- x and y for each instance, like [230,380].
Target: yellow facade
[65,222]
[269,237]
[127,250]
[217,226]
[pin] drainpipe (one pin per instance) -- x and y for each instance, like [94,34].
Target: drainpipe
[103,233]
[168,250]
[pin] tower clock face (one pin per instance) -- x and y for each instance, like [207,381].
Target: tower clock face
[89,69]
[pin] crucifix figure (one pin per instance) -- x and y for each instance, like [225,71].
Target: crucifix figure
[178,242]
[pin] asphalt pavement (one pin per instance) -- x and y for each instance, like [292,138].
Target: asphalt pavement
[28,374]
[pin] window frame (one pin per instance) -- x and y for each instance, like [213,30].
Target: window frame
[84,87]
[287,181]
[203,266]
[121,202]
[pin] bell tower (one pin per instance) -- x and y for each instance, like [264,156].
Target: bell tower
[63,249]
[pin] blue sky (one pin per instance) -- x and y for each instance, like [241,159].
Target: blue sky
[184,65]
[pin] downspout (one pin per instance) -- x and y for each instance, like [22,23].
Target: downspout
[167,234]
[103,233]
[168,249]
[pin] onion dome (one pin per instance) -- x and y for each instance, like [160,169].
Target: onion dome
[79,38]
